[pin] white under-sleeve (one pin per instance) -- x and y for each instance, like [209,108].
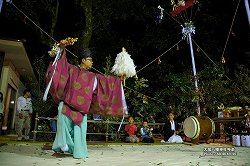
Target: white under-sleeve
[124,104]
[95,84]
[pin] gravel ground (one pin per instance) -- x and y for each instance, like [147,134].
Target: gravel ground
[121,154]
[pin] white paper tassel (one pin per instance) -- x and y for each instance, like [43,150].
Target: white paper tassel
[124,65]
[50,82]
[125,108]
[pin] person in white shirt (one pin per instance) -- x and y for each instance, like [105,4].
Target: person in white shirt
[24,112]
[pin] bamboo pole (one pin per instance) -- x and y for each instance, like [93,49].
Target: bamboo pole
[194,73]
[247,10]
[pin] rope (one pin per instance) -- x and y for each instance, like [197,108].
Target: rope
[208,57]
[230,30]
[214,64]
[145,95]
[197,8]
[182,17]
[40,27]
[204,53]
[191,13]
[173,18]
[186,15]
[159,56]
[65,48]
[32,21]
[135,90]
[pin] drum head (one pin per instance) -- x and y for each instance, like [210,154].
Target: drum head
[191,127]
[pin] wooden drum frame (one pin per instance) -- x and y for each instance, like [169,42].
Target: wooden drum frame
[198,128]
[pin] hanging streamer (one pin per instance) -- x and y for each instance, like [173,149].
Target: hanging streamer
[161,14]
[55,50]
[177,47]
[159,61]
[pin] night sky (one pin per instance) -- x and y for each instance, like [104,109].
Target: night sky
[14,25]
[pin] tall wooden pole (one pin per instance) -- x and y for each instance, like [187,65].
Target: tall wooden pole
[194,73]
[247,10]
[187,32]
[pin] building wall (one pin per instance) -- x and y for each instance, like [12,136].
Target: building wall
[10,78]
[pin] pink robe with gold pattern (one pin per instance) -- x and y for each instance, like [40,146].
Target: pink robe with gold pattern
[74,86]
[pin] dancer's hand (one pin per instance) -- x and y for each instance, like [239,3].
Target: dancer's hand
[122,77]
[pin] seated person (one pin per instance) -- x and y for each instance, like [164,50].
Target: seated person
[229,129]
[247,121]
[130,131]
[156,128]
[171,129]
[146,133]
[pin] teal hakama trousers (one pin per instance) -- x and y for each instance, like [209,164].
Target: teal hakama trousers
[71,134]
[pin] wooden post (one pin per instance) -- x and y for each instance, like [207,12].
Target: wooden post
[35,128]
[247,10]
[194,73]
[107,127]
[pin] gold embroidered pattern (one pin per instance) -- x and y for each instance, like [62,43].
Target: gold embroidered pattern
[64,109]
[59,93]
[112,86]
[73,115]
[120,111]
[77,85]
[102,83]
[62,79]
[80,100]
[115,99]
[71,72]
[84,76]
[105,97]
[87,90]
[108,110]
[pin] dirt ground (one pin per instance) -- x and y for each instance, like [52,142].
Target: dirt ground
[14,153]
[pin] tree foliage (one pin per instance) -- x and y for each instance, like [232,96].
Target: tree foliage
[107,26]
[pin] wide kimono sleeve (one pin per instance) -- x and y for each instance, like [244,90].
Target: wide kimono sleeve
[108,98]
[60,78]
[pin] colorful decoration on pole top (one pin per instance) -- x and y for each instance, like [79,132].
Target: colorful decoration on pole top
[177,4]
[187,29]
